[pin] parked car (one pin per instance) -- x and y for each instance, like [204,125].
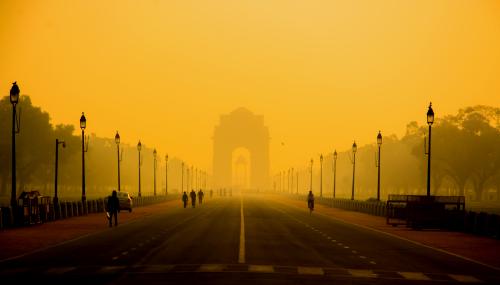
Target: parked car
[125,201]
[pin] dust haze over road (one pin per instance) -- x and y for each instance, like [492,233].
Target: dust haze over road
[282,244]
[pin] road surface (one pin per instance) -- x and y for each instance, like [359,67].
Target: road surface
[246,239]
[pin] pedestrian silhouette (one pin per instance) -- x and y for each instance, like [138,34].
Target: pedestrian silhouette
[113,208]
[310,201]
[200,196]
[185,199]
[193,198]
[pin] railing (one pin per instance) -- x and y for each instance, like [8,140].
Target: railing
[481,223]
[64,210]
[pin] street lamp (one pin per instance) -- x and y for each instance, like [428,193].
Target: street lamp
[56,199]
[166,174]
[379,143]
[83,125]
[430,121]
[139,147]
[154,171]
[334,171]
[291,184]
[311,183]
[354,149]
[14,99]
[117,141]
[321,175]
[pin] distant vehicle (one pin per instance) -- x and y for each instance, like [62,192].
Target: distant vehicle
[125,201]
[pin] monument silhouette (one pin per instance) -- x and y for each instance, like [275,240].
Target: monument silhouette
[241,129]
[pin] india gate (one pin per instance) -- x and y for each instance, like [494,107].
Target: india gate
[241,151]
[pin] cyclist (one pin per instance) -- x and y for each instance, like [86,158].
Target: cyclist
[310,201]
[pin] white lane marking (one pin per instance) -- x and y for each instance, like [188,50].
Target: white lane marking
[334,240]
[346,247]
[362,257]
[115,258]
[211,267]
[328,237]
[354,252]
[241,254]
[141,244]
[125,253]
[397,237]
[362,273]
[261,268]
[373,262]
[310,270]
[464,278]
[133,248]
[414,275]
[60,270]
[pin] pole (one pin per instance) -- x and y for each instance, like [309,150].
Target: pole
[182,178]
[13,196]
[353,175]
[321,177]
[56,199]
[429,165]
[84,197]
[154,176]
[118,153]
[166,175]
[311,183]
[378,180]
[334,175]
[139,173]
[297,182]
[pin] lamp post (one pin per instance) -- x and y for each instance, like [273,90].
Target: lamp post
[14,99]
[297,182]
[83,125]
[334,171]
[139,147]
[354,149]
[117,141]
[379,143]
[154,171]
[288,182]
[430,121]
[166,174]
[291,183]
[311,182]
[182,177]
[321,175]
[56,199]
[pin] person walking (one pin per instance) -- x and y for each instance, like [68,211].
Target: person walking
[113,208]
[185,199]
[193,198]
[200,196]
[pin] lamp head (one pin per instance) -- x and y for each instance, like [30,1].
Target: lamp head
[139,146]
[14,93]
[354,147]
[379,138]
[117,138]
[430,115]
[83,122]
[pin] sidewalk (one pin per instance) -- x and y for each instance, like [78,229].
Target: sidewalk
[480,249]
[18,241]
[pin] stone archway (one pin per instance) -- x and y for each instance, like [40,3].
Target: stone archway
[241,128]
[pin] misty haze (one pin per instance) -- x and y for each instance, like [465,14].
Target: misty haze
[249,142]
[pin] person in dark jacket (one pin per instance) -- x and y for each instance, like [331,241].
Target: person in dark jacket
[200,196]
[113,208]
[193,198]
[185,199]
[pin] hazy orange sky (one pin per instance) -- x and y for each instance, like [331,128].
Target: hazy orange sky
[322,73]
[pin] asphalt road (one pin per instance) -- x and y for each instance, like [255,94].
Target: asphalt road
[209,244]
